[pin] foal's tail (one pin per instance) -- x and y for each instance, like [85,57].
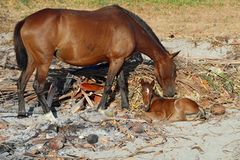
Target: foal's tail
[202,114]
[20,50]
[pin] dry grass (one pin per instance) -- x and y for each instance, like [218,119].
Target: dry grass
[166,17]
[206,83]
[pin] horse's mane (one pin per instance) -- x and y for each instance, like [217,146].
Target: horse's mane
[143,24]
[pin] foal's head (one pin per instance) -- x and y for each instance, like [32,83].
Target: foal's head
[165,72]
[147,93]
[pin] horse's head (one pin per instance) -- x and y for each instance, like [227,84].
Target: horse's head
[165,72]
[147,93]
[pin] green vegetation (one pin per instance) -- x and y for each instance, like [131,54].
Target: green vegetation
[219,79]
[138,2]
[25,2]
[132,2]
[173,14]
[190,2]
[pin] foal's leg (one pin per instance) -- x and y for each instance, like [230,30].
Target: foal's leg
[21,85]
[114,68]
[123,90]
[179,114]
[40,79]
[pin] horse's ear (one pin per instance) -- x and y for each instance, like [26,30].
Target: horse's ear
[152,83]
[141,82]
[174,54]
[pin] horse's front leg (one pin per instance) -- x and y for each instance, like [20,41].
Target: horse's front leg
[114,67]
[123,90]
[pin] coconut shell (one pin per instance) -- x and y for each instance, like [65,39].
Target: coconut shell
[218,109]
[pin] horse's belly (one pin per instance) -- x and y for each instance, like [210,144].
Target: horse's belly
[80,59]
[83,62]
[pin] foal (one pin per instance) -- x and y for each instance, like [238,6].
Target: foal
[159,108]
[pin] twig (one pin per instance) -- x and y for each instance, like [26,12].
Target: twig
[53,157]
[125,119]
[139,150]
[78,106]
[69,94]
[87,120]
[51,93]
[211,61]
[87,98]
[185,83]
[114,119]
[31,97]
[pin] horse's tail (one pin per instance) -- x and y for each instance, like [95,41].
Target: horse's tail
[20,50]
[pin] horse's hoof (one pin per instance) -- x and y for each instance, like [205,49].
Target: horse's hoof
[102,107]
[125,107]
[20,116]
[50,117]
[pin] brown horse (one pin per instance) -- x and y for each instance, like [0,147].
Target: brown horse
[110,34]
[159,108]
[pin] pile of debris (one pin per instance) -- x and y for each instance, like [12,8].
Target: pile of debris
[82,132]
[206,82]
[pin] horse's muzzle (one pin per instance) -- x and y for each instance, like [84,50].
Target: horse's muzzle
[145,107]
[170,92]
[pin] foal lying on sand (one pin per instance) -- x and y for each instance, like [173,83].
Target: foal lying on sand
[159,108]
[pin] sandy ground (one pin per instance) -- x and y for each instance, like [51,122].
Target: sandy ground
[200,32]
[216,138]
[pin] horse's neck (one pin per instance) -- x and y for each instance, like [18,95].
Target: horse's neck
[149,46]
[146,40]
[155,106]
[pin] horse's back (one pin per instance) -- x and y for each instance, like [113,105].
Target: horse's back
[55,15]
[39,18]
[81,37]
[162,105]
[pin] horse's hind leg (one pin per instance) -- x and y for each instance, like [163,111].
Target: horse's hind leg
[21,85]
[38,85]
[123,90]
[113,70]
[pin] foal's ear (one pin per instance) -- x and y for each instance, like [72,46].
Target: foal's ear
[174,54]
[152,83]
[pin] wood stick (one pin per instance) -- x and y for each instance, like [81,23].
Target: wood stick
[220,61]
[51,93]
[185,83]
[87,98]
